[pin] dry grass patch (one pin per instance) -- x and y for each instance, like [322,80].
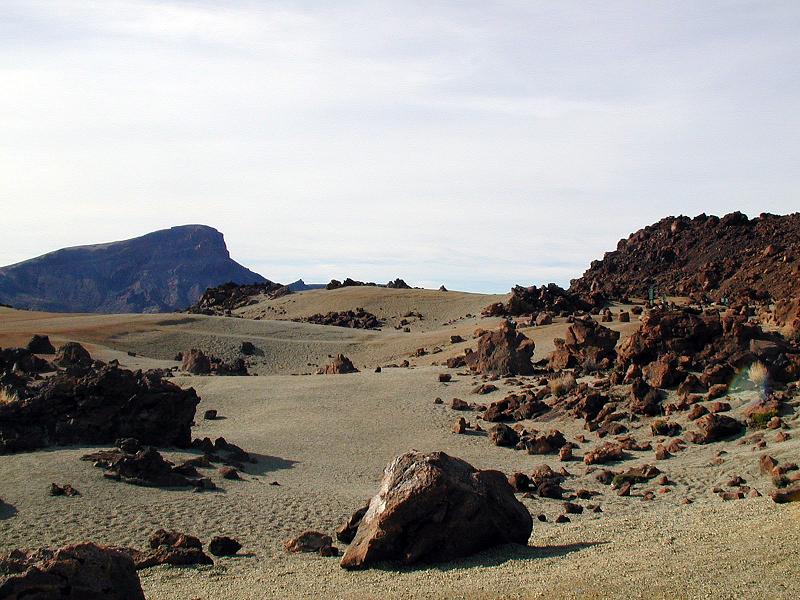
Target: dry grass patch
[7,396]
[562,385]
[758,373]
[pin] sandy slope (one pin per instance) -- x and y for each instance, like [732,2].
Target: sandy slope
[325,439]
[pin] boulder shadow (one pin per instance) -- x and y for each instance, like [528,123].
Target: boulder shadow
[7,510]
[496,556]
[267,464]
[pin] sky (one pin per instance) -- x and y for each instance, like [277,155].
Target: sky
[475,144]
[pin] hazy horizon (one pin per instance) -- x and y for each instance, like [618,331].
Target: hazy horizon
[472,144]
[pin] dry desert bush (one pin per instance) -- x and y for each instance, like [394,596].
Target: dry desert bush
[758,373]
[7,396]
[563,384]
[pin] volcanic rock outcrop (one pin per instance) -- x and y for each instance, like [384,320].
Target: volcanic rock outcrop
[586,341]
[732,257]
[98,407]
[355,319]
[551,298]
[223,299]
[85,571]
[503,351]
[433,508]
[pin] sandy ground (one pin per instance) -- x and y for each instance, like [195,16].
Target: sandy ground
[326,439]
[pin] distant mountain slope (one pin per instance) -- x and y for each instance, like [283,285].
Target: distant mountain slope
[730,257]
[302,286]
[161,271]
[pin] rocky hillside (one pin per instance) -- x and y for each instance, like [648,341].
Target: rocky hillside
[161,271]
[709,257]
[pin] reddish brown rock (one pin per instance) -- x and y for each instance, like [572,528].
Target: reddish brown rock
[608,452]
[548,443]
[459,404]
[697,411]
[445,377]
[715,427]
[519,481]
[347,530]
[665,428]
[662,453]
[308,541]
[72,354]
[767,464]
[586,342]
[503,435]
[717,391]
[85,571]
[196,362]
[663,373]
[338,366]
[460,425]
[717,407]
[791,494]
[504,351]
[453,509]
[485,388]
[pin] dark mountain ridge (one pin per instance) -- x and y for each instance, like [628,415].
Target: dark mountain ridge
[161,271]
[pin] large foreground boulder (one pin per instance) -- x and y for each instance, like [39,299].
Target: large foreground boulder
[84,571]
[504,351]
[98,408]
[434,508]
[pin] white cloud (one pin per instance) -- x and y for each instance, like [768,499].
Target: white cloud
[493,142]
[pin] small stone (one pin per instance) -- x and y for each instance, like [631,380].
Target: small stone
[223,546]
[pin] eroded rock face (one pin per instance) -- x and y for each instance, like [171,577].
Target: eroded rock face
[504,351]
[145,467]
[98,408]
[22,361]
[732,257]
[434,508]
[85,571]
[715,427]
[355,319]
[672,342]
[678,332]
[223,299]
[196,362]
[170,548]
[552,298]
[339,365]
[40,344]
[72,354]
[586,341]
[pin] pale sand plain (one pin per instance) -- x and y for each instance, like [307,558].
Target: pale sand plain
[326,439]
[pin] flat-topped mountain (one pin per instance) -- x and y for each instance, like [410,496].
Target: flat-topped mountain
[161,271]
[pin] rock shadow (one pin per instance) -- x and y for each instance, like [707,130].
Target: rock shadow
[497,556]
[7,510]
